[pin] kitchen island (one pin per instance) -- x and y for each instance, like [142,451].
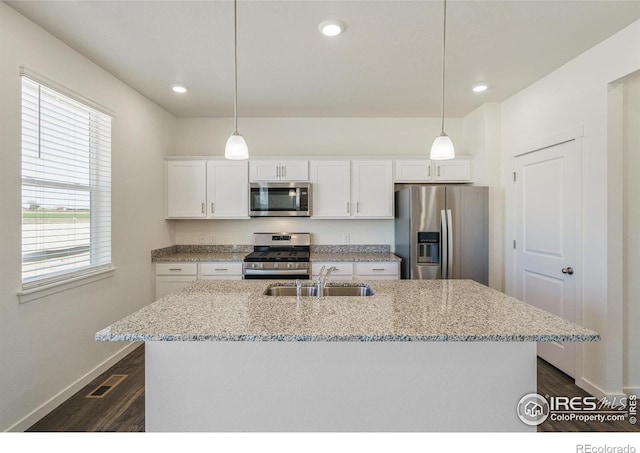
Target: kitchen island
[417,355]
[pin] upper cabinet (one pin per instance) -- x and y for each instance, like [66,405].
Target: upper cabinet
[278,170]
[207,189]
[352,189]
[425,170]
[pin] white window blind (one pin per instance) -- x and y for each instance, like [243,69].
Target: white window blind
[66,187]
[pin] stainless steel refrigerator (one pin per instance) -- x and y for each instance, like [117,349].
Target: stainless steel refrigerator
[442,232]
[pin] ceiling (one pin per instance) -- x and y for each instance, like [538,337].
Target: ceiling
[386,64]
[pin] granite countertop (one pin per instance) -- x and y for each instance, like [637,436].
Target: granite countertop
[400,310]
[329,253]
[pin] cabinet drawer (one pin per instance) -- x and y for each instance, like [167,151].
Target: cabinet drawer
[341,268]
[176,268]
[377,268]
[220,269]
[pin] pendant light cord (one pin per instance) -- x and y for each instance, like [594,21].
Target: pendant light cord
[235,67]
[444,38]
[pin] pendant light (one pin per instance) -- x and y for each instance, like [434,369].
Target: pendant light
[236,147]
[442,147]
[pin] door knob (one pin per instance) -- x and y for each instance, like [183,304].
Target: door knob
[567,270]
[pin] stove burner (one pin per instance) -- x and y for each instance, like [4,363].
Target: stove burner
[278,256]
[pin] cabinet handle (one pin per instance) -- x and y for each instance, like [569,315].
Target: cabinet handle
[438,170]
[284,170]
[175,269]
[212,208]
[348,210]
[429,171]
[203,208]
[222,269]
[278,171]
[377,269]
[357,206]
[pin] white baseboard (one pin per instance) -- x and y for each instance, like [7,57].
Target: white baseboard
[37,414]
[632,391]
[596,391]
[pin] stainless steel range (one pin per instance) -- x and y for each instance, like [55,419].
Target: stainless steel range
[279,256]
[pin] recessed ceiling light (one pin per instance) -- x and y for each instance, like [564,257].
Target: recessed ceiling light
[179,88]
[331,27]
[479,88]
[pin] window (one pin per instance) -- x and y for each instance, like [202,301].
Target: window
[66,187]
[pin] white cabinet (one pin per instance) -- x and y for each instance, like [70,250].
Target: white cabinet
[387,270]
[413,170]
[220,270]
[207,189]
[331,188]
[227,189]
[453,170]
[171,277]
[352,189]
[186,189]
[425,170]
[279,170]
[372,189]
[344,270]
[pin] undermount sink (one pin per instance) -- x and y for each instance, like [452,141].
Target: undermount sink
[329,291]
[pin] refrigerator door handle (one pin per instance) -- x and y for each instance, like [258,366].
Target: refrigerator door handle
[449,245]
[444,244]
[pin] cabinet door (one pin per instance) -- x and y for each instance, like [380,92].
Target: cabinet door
[227,189]
[453,170]
[344,270]
[331,188]
[413,170]
[169,284]
[186,189]
[373,188]
[264,170]
[377,270]
[294,170]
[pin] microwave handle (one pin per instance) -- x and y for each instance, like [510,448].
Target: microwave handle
[298,197]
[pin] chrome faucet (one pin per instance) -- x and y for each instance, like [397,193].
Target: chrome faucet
[322,281]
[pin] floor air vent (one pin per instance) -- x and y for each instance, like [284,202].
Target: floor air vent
[107,386]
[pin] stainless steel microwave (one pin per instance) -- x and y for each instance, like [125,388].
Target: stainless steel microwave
[274,199]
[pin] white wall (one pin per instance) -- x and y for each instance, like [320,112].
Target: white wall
[631,234]
[309,137]
[577,95]
[482,134]
[47,344]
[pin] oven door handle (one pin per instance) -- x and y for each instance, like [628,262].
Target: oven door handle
[276,271]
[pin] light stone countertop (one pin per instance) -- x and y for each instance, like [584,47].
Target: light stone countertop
[400,310]
[327,253]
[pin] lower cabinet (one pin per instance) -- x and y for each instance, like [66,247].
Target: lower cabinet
[344,270]
[377,270]
[170,277]
[360,270]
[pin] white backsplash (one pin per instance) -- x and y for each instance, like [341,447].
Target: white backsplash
[323,232]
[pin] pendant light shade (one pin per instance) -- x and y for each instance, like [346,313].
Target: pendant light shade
[236,147]
[442,147]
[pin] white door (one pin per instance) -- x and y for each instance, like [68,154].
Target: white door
[186,189]
[373,188]
[227,189]
[547,235]
[331,188]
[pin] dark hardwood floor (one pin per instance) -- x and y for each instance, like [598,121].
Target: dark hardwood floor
[122,408]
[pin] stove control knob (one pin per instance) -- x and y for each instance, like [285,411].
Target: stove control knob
[290,265]
[275,265]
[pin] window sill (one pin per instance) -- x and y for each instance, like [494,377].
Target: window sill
[47,290]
